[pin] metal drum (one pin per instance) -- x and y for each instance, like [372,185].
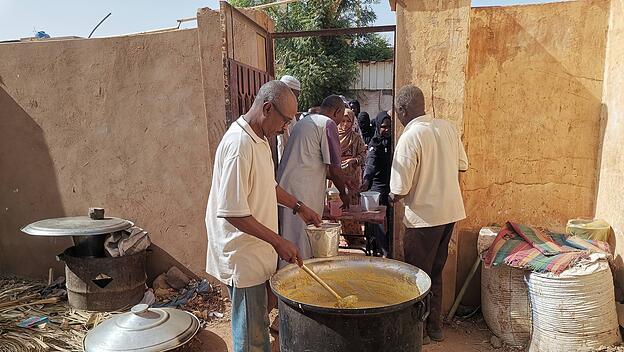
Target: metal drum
[95,281]
[394,325]
[104,284]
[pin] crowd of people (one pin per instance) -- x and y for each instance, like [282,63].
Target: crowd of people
[364,145]
[256,218]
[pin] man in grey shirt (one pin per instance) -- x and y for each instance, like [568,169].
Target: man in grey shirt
[311,156]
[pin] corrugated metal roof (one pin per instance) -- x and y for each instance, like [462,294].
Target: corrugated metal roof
[374,75]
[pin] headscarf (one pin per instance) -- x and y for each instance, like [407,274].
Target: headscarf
[355,106]
[365,126]
[348,136]
[378,138]
[379,159]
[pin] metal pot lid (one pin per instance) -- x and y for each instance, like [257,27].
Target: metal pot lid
[76,226]
[94,224]
[143,329]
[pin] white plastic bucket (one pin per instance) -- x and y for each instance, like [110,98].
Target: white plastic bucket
[369,200]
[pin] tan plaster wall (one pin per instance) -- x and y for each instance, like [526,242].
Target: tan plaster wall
[610,199]
[210,36]
[532,117]
[118,123]
[431,53]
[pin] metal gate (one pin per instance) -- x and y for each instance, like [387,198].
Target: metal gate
[245,81]
[242,82]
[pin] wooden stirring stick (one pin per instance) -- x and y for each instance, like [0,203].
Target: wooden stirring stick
[320,281]
[347,302]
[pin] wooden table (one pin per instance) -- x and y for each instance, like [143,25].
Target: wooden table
[355,212]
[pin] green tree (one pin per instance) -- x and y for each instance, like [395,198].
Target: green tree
[373,48]
[324,65]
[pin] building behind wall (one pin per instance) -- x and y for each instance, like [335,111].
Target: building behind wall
[373,87]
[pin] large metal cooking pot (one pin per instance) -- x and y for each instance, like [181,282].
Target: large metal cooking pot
[308,323]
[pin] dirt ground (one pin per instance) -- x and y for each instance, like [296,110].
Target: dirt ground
[461,336]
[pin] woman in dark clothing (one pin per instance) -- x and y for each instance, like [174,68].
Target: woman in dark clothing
[365,127]
[379,159]
[377,175]
[355,106]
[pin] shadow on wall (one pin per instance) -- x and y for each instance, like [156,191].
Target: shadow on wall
[467,253]
[29,192]
[604,120]
[544,177]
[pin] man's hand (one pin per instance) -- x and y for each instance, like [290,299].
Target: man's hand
[309,216]
[288,251]
[285,249]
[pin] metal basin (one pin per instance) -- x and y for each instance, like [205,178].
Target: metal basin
[324,239]
[393,305]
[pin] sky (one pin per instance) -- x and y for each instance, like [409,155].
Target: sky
[22,18]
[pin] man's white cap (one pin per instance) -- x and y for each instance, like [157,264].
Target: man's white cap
[291,82]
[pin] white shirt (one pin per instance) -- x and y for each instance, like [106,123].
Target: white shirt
[425,166]
[243,184]
[282,139]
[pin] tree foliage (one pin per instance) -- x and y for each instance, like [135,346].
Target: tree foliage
[324,65]
[373,48]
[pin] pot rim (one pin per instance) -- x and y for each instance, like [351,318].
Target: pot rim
[350,311]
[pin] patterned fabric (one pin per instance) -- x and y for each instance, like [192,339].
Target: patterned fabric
[540,250]
[351,142]
[351,227]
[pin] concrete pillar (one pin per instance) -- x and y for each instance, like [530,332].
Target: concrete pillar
[431,52]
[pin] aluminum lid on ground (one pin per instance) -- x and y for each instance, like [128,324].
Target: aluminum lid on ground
[76,226]
[143,329]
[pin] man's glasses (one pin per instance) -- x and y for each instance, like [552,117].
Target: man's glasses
[287,120]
